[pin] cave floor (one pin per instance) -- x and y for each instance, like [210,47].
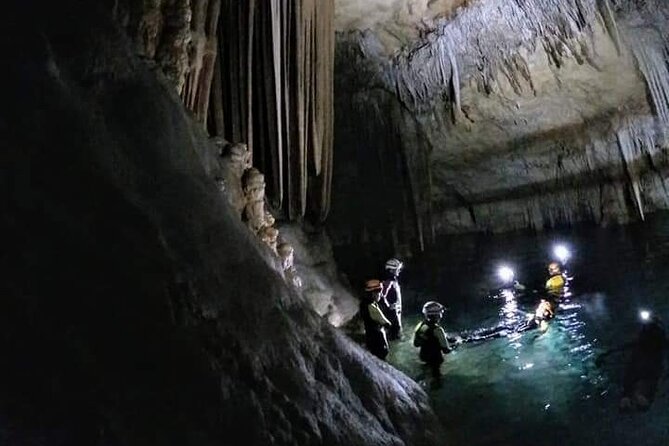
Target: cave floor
[543,389]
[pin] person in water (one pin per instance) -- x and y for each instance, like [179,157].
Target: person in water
[391,303]
[645,366]
[556,280]
[374,320]
[431,338]
[544,312]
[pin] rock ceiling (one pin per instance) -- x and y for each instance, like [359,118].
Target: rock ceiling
[396,22]
[498,103]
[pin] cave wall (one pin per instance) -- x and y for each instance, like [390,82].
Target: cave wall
[137,307]
[518,115]
[258,73]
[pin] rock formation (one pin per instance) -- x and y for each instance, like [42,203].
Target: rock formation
[269,236]
[254,193]
[235,159]
[486,116]
[322,283]
[287,255]
[137,309]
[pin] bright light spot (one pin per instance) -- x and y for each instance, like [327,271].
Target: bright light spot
[561,253]
[529,365]
[508,295]
[505,273]
[645,315]
[547,406]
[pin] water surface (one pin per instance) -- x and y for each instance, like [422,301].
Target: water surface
[543,389]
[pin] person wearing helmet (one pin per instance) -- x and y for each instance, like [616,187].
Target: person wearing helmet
[544,312]
[556,280]
[392,297]
[374,320]
[431,338]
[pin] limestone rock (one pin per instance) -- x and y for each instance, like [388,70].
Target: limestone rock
[137,309]
[321,280]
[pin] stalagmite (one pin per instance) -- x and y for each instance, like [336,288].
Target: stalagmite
[254,191]
[234,160]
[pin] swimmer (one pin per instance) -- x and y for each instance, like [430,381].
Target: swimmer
[544,312]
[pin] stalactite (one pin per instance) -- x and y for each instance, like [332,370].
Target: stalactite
[636,138]
[217,113]
[276,21]
[455,77]
[651,54]
[202,57]
[609,20]
[460,46]
[285,95]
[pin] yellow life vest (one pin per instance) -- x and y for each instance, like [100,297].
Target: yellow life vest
[555,282]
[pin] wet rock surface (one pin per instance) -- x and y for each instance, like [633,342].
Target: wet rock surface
[322,284]
[137,308]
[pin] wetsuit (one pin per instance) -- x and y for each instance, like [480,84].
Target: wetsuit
[544,312]
[375,335]
[499,331]
[646,364]
[392,306]
[433,343]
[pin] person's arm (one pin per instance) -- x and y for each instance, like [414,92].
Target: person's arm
[417,335]
[384,293]
[377,315]
[443,339]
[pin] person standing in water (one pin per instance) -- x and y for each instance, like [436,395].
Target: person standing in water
[431,338]
[556,279]
[392,297]
[374,319]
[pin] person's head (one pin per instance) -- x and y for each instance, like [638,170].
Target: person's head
[554,269]
[394,266]
[544,310]
[374,287]
[433,311]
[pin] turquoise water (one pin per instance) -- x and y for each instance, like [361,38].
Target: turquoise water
[542,389]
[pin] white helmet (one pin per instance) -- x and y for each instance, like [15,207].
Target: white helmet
[433,309]
[394,265]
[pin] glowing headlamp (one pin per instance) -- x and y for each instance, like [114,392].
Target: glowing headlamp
[506,274]
[562,253]
[644,315]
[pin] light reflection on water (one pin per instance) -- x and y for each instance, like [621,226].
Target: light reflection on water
[534,388]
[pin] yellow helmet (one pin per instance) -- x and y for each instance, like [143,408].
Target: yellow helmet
[373,285]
